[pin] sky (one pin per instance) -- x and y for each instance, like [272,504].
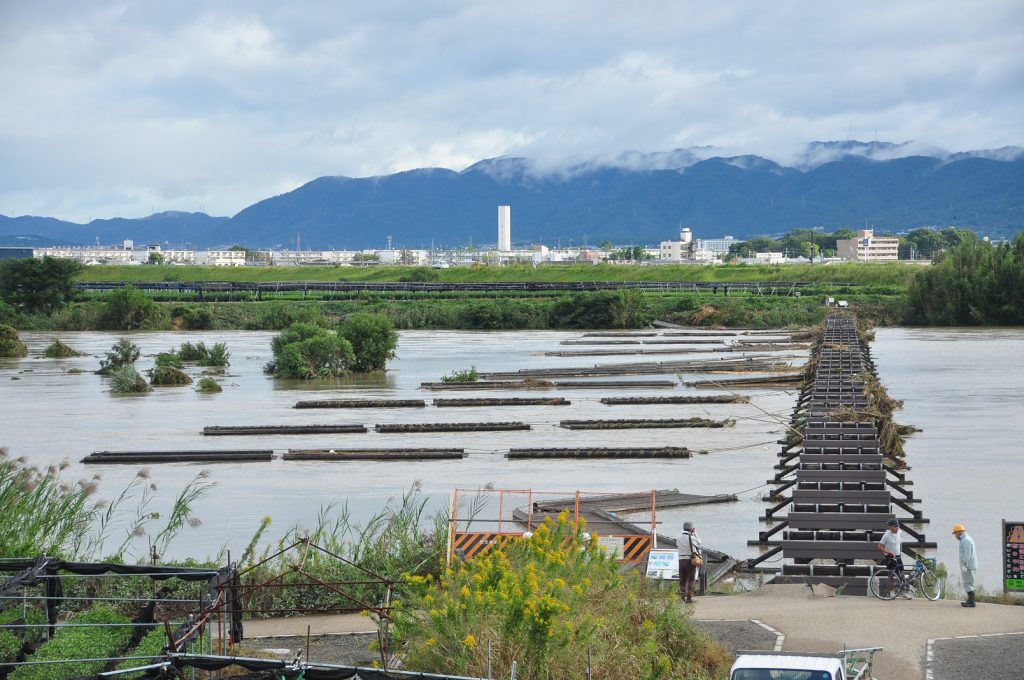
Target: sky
[114,108]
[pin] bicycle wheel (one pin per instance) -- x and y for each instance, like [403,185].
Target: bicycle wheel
[929,585]
[878,585]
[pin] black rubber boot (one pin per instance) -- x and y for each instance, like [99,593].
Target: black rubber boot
[970,600]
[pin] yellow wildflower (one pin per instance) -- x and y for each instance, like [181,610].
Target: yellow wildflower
[470,641]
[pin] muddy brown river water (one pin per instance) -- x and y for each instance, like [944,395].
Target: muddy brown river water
[965,388]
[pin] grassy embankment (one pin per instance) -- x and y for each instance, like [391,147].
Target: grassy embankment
[879,294]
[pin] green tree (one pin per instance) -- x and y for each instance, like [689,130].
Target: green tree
[306,351]
[130,309]
[373,339]
[155,258]
[39,285]
[971,284]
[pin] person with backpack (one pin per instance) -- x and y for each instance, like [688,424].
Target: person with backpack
[691,557]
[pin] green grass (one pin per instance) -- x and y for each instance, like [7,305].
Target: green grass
[892,273]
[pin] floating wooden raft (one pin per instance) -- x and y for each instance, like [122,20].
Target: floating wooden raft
[774,347]
[538,384]
[530,384]
[702,334]
[178,456]
[361,403]
[374,454]
[223,430]
[746,364]
[634,502]
[451,427]
[715,399]
[617,384]
[616,334]
[637,350]
[644,341]
[655,452]
[627,424]
[507,401]
[790,380]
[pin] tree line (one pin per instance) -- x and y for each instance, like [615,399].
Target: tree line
[972,284]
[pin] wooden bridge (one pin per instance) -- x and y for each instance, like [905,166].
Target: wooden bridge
[842,483]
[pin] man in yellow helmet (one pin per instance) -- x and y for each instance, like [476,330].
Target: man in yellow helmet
[968,562]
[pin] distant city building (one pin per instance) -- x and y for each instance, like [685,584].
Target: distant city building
[682,250]
[769,258]
[504,228]
[716,245]
[868,248]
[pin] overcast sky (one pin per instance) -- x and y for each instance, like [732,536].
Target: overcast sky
[126,108]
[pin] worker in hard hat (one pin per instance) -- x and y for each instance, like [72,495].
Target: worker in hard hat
[968,562]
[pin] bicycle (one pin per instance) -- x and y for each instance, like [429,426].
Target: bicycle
[922,578]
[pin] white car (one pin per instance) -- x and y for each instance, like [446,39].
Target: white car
[850,664]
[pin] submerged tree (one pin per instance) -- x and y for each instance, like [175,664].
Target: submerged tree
[306,351]
[373,339]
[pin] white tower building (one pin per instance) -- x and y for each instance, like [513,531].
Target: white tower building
[504,228]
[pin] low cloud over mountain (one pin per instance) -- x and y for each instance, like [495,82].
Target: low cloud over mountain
[631,197]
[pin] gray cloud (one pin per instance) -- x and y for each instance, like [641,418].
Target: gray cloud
[121,108]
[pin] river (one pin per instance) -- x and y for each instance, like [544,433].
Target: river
[961,387]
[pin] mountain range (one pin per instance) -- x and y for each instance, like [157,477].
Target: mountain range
[632,198]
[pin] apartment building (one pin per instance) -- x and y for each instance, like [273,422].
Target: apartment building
[868,248]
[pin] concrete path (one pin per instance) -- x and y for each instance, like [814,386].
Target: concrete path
[333,624]
[815,621]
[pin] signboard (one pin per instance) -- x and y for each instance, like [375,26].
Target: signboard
[663,563]
[612,544]
[1013,556]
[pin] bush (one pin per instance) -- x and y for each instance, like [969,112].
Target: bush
[325,355]
[190,352]
[79,643]
[373,339]
[8,314]
[13,640]
[543,602]
[130,309]
[126,379]
[197,319]
[10,344]
[218,355]
[123,353]
[306,351]
[168,375]
[463,376]
[168,358]
[149,648]
[280,315]
[209,385]
[58,350]
[605,309]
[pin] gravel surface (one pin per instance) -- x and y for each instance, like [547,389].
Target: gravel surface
[992,657]
[349,650]
[737,635]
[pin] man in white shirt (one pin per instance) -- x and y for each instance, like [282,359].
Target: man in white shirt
[968,562]
[891,547]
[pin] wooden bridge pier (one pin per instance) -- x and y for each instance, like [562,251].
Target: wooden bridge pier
[842,483]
